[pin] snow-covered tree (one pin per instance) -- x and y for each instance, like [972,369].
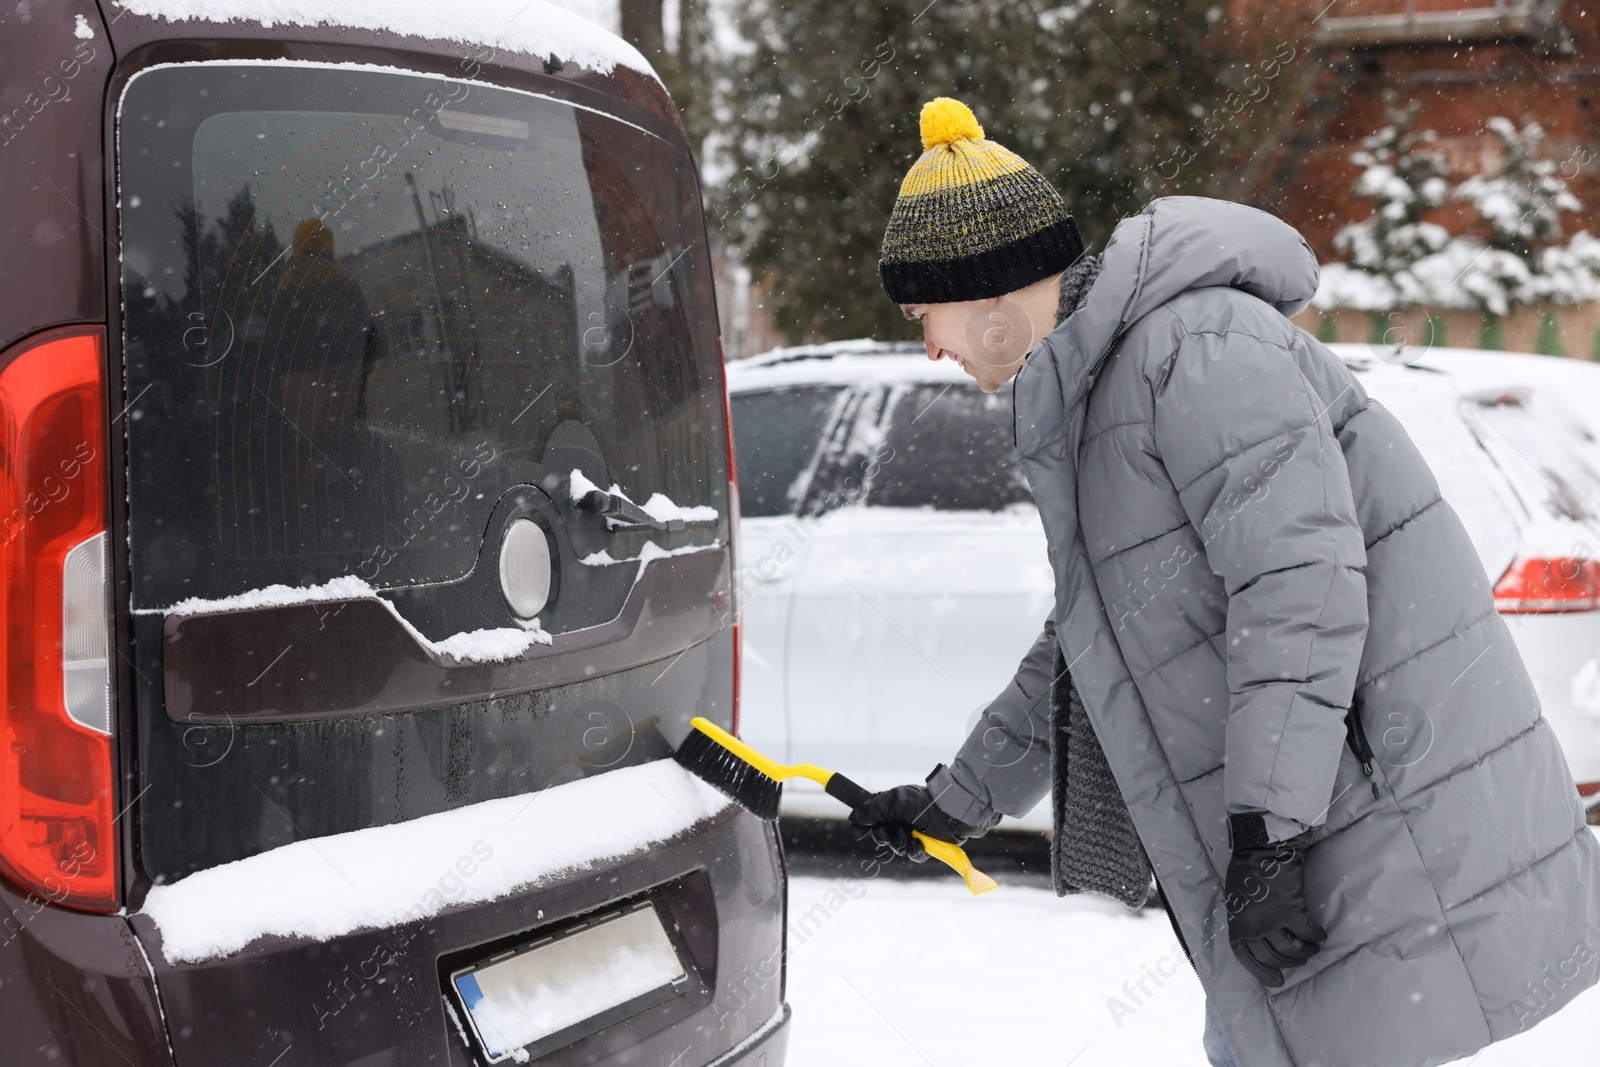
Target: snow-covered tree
[1404,176]
[1522,205]
[1515,251]
[1522,258]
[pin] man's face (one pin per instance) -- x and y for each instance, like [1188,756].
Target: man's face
[989,338]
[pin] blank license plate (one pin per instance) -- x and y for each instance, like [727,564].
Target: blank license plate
[560,988]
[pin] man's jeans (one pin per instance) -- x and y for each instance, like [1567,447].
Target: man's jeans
[1216,1046]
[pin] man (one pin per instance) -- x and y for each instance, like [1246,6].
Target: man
[1255,574]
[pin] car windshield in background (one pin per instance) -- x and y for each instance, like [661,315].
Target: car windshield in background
[778,432]
[950,447]
[355,320]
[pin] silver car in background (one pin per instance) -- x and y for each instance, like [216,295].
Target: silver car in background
[895,568]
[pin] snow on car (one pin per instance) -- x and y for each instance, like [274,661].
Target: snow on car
[895,569]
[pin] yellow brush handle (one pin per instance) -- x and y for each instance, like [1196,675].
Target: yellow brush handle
[946,853]
[943,851]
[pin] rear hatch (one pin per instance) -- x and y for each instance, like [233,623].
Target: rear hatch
[372,319]
[385,336]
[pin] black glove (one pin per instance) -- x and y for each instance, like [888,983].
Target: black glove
[1269,928]
[890,816]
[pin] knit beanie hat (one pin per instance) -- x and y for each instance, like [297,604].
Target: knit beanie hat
[972,220]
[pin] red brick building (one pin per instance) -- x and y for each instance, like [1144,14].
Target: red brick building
[1464,62]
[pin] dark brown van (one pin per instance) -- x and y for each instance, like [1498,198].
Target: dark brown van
[368,524]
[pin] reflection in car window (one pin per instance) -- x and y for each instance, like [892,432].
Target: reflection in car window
[776,433]
[952,448]
[358,313]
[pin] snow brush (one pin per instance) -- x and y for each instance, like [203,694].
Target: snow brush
[755,783]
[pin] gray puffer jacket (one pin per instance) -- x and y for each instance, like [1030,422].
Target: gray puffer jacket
[1246,546]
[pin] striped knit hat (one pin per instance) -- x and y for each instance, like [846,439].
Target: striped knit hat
[972,219]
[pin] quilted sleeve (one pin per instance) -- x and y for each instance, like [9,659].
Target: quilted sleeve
[1249,446]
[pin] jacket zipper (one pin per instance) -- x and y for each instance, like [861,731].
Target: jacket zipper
[1172,917]
[1116,339]
[1356,738]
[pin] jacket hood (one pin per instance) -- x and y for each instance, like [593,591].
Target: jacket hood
[1175,244]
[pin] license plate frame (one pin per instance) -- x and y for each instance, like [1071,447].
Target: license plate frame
[637,913]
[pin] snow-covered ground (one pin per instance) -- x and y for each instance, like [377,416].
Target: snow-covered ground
[922,974]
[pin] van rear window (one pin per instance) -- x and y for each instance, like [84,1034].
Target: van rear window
[360,306]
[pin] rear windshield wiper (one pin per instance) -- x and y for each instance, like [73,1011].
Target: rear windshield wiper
[621,513]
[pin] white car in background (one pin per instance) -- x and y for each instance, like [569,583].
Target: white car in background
[895,568]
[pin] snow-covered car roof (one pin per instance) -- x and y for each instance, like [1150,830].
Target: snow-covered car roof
[842,363]
[532,27]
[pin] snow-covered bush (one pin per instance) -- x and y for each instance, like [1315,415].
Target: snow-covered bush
[1404,177]
[1523,204]
[1511,255]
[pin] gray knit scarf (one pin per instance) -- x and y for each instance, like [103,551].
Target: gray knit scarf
[1095,847]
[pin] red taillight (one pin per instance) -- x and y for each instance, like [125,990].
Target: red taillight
[1588,789]
[1536,584]
[57,774]
[733,533]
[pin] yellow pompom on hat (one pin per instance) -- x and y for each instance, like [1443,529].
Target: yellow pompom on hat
[972,220]
[945,121]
